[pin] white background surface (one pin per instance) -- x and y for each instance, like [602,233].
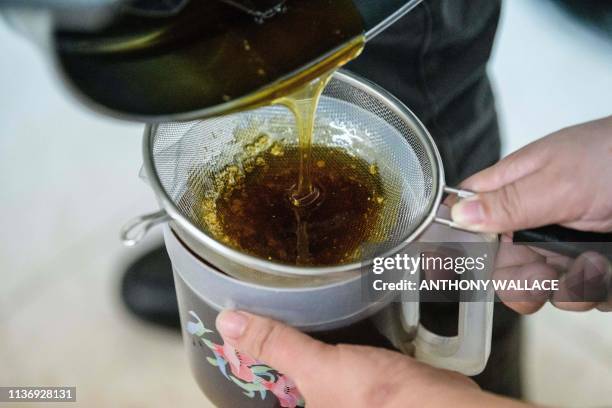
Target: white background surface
[68,181]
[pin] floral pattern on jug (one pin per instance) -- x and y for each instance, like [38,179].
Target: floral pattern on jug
[252,376]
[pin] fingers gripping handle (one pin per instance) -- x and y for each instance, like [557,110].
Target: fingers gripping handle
[443,216]
[564,241]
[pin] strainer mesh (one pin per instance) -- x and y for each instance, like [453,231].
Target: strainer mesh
[186,156]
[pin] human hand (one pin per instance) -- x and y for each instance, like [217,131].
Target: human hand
[346,375]
[560,179]
[584,283]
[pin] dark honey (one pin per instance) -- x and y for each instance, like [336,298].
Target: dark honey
[253,211]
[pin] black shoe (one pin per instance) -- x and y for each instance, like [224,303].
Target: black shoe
[147,289]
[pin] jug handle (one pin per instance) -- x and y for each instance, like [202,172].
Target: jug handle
[469,351]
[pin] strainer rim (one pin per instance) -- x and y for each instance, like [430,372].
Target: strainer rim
[354,80]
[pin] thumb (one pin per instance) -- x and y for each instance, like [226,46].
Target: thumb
[525,203]
[284,348]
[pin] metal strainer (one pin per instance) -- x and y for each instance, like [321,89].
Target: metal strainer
[353,114]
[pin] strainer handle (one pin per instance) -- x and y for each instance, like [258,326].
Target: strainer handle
[136,229]
[460,194]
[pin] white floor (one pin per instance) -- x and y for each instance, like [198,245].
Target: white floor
[68,181]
